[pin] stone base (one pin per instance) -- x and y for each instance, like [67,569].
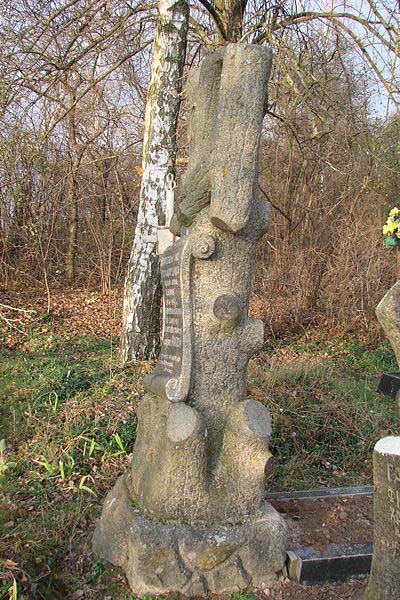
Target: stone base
[172,557]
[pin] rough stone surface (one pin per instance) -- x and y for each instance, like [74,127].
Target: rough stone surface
[206,462]
[201,450]
[388,313]
[202,93]
[242,99]
[227,97]
[384,583]
[162,557]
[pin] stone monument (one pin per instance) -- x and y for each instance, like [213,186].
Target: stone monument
[190,515]
[384,583]
[388,314]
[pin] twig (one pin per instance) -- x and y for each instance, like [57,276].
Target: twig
[25,310]
[10,323]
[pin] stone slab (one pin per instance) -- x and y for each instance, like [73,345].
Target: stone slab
[308,565]
[388,313]
[172,556]
[343,492]
[389,384]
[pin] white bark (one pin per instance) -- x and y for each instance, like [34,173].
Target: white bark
[140,330]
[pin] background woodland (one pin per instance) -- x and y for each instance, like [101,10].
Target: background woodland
[73,90]
[72,101]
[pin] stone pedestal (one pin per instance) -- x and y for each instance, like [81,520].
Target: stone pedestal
[384,583]
[171,556]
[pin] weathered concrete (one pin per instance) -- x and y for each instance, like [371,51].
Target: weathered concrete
[213,469]
[160,557]
[227,97]
[384,583]
[171,476]
[388,313]
[201,450]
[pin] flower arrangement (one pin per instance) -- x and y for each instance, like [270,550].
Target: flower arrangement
[391,229]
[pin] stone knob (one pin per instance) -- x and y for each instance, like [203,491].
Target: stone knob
[203,246]
[227,309]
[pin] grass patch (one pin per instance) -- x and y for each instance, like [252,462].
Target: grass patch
[67,415]
[243,595]
[68,420]
[350,352]
[326,416]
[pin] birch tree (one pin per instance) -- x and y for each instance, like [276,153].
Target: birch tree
[141,317]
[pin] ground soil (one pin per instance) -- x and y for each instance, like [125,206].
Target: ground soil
[327,521]
[287,590]
[319,523]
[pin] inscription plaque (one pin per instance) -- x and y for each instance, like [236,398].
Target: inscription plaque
[171,377]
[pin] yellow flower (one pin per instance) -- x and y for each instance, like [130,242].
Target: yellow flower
[391,226]
[394,212]
[385,230]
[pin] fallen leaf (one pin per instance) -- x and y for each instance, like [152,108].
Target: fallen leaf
[10,564]
[139,170]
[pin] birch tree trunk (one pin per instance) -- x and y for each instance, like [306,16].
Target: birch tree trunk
[72,192]
[141,317]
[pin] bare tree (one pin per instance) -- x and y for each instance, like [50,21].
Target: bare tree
[58,59]
[73,84]
[372,28]
[140,332]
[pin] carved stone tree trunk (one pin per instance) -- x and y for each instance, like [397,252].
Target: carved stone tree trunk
[141,317]
[198,471]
